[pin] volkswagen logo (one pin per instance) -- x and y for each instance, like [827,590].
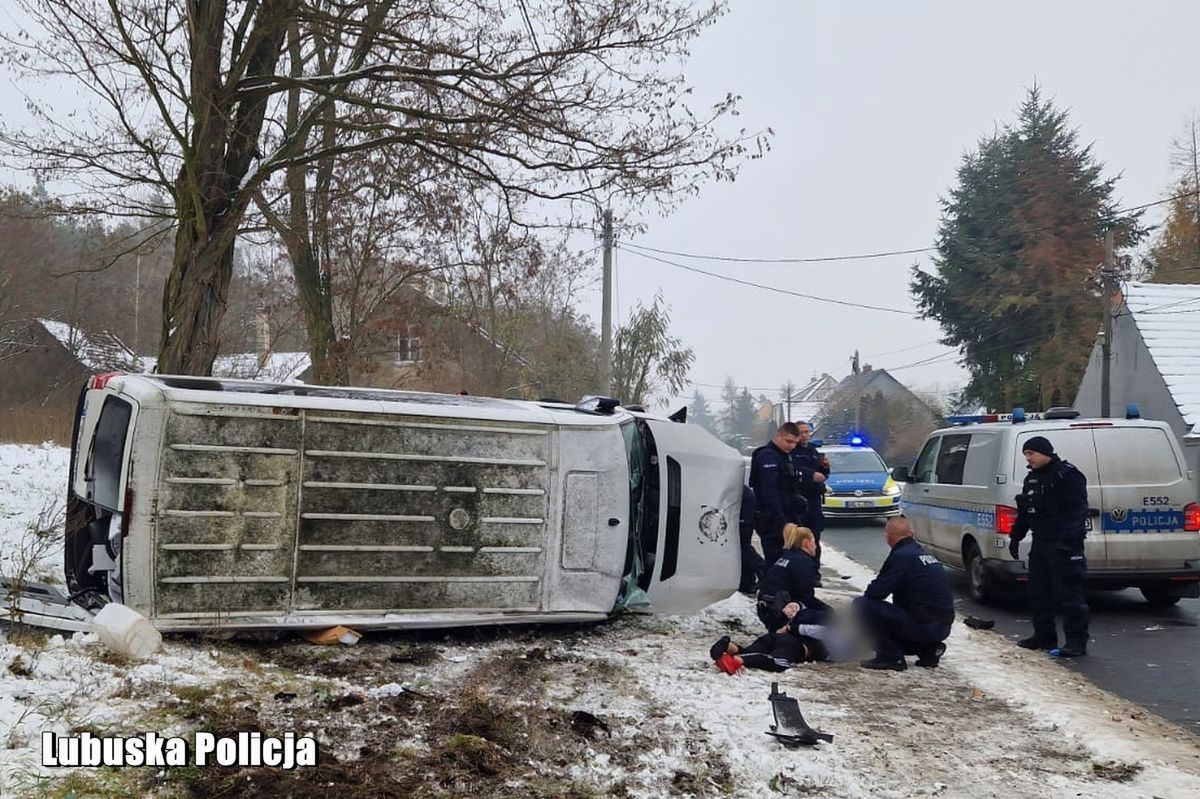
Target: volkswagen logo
[1118,514]
[858,492]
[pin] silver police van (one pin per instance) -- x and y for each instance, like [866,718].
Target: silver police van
[1144,521]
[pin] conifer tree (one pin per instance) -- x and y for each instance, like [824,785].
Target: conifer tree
[1018,254]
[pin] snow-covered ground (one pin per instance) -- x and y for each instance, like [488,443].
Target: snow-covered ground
[632,707]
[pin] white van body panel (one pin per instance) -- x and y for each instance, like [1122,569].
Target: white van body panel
[249,508]
[706,566]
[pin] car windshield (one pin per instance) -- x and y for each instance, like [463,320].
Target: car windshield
[860,461]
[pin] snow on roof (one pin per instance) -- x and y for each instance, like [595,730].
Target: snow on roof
[99,352]
[1168,318]
[280,367]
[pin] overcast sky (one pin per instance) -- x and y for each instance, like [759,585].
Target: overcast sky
[873,105]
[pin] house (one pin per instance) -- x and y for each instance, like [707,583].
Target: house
[421,344]
[46,361]
[1155,360]
[43,363]
[873,403]
[805,404]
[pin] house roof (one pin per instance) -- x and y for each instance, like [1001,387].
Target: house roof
[808,401]
[1168,318]
[280,367]
[99,352]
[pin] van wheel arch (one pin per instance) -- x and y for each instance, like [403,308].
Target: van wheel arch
[982,586]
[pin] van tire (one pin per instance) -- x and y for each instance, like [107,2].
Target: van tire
[1159,597]
[982,586]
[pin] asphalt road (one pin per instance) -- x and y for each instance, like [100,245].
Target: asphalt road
[1147,655]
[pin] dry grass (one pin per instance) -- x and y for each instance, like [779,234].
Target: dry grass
[33,424]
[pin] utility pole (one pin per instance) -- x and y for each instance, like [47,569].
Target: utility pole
[137,293]
[856,368]
[606,309]
[1106,276]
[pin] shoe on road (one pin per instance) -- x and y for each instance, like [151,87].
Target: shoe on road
[884,664]
[1070,651]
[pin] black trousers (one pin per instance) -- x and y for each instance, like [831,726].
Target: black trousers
[774,652]
[770,533]
[753,565]
[895,632]
[814,519]
[1056,573]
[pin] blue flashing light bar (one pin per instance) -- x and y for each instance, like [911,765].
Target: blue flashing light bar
[1018,415]
[856,441]
[1132,411]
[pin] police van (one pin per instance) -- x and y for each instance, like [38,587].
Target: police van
[221,503]
[1143,524]
[858,485]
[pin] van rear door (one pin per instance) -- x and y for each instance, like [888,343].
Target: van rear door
[698,555]
[1145,491]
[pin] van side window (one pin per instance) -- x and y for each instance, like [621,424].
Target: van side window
[952,459]
[107,454]
[922,471]
[1136,456]
[982,460]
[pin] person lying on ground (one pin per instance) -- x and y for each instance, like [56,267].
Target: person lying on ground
[791,579]
[770,652]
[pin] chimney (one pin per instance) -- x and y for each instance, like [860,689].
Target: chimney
[263,336]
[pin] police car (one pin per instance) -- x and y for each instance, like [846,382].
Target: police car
[859,485]
[1143,524]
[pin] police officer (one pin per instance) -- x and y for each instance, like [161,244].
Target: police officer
[918,619]
[811,470]
[752,562]
[1053,505]
[773,478]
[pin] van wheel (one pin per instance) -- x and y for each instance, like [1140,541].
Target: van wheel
[1159,597]
[983,588]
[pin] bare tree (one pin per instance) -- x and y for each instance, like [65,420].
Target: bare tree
[647,360]
[554,99]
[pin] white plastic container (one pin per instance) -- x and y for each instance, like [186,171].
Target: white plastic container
[126,632]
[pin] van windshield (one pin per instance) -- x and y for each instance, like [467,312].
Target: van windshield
[859,461]
[643,515]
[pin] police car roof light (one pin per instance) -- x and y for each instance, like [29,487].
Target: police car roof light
[1018,415]
[1132,411]
[856,441]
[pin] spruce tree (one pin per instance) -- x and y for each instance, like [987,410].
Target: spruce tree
[1018,253]
[701,414]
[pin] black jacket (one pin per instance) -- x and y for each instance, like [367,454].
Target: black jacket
[807,461]
[791,578]
[1053,503]
[916,582]
[773,478]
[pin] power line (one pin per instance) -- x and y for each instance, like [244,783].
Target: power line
[775,289]
[813,260]
[864,256]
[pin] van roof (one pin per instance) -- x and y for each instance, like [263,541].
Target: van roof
[187,388]
[1054,424]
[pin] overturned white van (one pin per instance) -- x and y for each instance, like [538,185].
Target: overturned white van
[214,503]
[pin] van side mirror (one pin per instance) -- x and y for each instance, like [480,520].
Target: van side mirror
[900,474]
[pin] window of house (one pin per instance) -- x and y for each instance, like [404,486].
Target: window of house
[408,345]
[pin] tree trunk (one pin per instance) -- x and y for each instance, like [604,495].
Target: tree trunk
[194,301]
[330,363]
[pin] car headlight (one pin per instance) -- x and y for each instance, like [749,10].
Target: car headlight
[891,488]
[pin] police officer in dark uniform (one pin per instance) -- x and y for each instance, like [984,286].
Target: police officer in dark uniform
[811,470]
[773,478]
[918,619]
[1053,505]
[752,562]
